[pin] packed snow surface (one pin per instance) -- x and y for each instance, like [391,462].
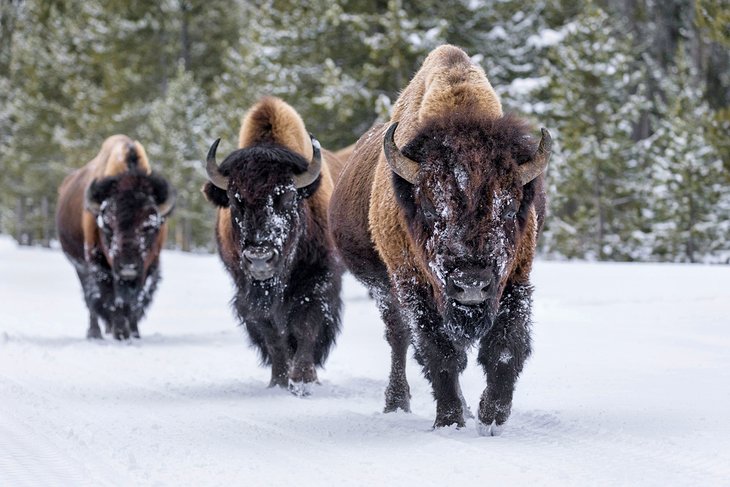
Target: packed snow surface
[629,384]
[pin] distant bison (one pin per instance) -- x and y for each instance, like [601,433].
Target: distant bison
[443,231]
[272,196]
[111,223]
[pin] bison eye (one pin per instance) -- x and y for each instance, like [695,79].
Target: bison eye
[429,211]
[510,214]
[285,200]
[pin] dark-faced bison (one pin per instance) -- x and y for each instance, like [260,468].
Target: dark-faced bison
[438,212]
[272,196]
[111,223]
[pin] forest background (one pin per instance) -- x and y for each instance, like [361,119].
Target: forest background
[635,92]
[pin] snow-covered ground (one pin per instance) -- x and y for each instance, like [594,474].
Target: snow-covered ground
[629,384]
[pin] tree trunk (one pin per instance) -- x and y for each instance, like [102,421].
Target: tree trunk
[598,192]
[20,235]
[185,8]
[691,244]
[45,223]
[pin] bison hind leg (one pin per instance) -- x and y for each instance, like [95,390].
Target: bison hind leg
[398,335]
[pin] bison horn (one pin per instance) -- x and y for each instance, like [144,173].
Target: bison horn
[399,164]
[531,170]
[89,204]
[211,167]
[315,167]
[167,206]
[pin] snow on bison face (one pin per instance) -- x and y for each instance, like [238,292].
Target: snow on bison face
[264,187]
[465,187]
[130,210]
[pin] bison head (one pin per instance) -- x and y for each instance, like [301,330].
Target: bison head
[466,185]
[265,187]
[130,209]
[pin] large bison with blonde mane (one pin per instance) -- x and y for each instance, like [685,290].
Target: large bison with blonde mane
[438,212]
[111,223]
[272,196]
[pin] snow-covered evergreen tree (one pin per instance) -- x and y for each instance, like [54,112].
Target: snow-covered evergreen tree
[179,129]
[598,184]
[338,64]
[689,207]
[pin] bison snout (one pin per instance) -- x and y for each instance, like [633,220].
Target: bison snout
[260,261]
[468,287]
[128,272]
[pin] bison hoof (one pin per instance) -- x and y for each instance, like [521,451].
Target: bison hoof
[395,400]
[121,333]
[278,380]
[135,334]
[453,418]
[94,334]
[492,429]
[493,411]
[301,389]
[302,373]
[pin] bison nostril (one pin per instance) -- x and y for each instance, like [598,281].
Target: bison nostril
[128,271]
[468,289]
[258,255]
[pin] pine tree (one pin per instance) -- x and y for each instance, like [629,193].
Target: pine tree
[338,64]
[597,182]
[179,131]
[690,204]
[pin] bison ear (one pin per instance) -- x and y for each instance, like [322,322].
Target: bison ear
[163,193]
[215,195]
[96,193]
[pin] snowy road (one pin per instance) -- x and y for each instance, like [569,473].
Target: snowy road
[629,384]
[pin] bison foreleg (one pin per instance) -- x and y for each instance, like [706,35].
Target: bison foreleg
[306,326]
[94,332]
[442,364]
[278,350]
[133,328]
[502,354]
[120,326]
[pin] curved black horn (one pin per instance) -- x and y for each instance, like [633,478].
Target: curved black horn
[211,167]
[399,164]
[538,164]
[315,167]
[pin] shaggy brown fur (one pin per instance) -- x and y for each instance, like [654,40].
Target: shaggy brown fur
[290,309]
[345,153]
[121,173]
[468,213]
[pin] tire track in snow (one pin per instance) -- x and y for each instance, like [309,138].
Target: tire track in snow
[26,446]
[253,430]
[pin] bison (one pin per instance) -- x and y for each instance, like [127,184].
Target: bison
[438,213]
[272,196]
[111,224]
